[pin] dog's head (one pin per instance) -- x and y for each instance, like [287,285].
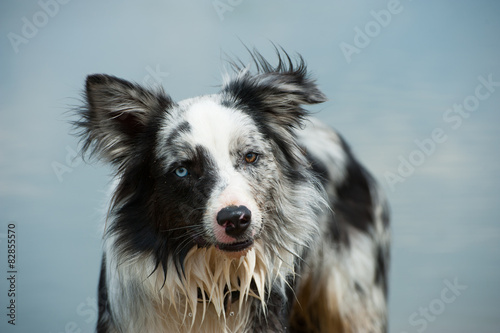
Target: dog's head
[220,170]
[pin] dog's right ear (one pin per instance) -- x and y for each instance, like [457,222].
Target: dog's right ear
[117,112]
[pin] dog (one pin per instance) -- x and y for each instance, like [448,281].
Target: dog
[234,212]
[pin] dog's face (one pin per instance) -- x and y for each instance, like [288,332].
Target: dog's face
[220,170]
[217,172]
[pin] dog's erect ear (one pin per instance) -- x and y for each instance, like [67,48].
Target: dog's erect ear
[275,93]
[117,112]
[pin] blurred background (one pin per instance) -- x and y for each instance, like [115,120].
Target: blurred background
[414,86]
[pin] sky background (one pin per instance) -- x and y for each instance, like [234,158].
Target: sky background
[396,86]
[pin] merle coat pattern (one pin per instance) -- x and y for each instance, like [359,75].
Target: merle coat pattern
[235,212]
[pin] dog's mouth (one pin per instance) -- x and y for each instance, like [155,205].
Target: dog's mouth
[235,247]
[227,247]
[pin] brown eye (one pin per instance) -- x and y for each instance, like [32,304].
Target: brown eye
[251,158]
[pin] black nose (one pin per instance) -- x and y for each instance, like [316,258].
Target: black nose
[235,219]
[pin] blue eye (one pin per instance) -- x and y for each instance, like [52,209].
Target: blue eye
[181,172]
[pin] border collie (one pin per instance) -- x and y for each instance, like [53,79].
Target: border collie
[234,212]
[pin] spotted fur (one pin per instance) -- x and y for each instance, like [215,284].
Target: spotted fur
[313,256]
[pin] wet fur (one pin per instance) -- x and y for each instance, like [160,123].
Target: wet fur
[320,224]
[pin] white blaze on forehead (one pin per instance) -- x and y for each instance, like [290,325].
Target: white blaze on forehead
[226,134]
[216,127]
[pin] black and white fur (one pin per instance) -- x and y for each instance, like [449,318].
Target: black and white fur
[235,212]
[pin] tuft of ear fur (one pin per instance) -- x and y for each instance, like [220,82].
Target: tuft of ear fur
[274,93]
[116,113]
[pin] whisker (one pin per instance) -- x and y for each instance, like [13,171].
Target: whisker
[180,228]
[186,241]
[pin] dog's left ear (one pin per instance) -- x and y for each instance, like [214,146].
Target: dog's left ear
[275,93]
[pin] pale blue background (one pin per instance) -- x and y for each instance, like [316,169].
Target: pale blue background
[446,215]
